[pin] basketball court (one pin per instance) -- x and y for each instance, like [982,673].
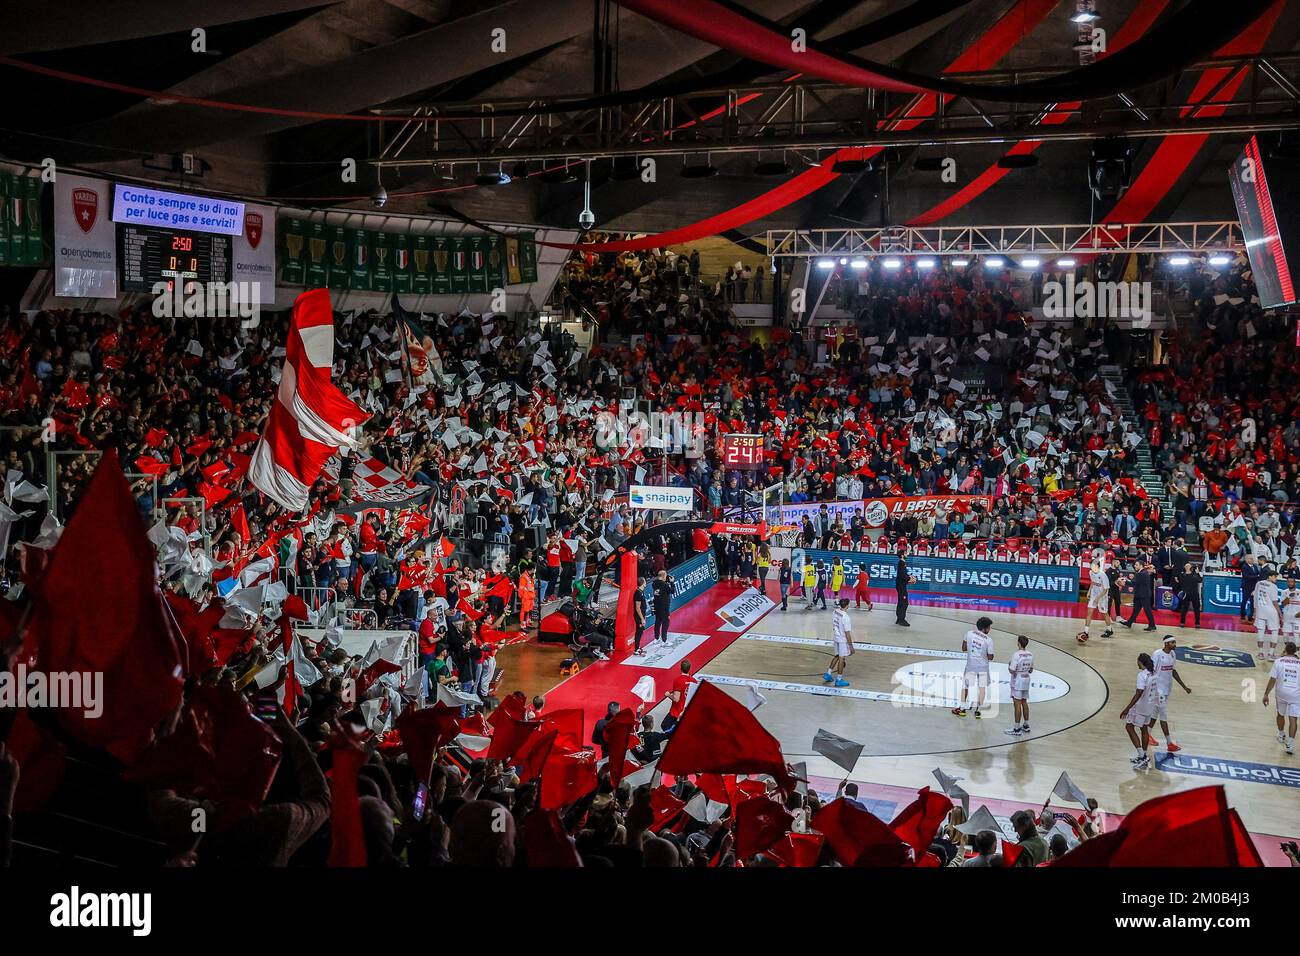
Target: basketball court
[905,681]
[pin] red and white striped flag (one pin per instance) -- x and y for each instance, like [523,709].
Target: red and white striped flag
[311,419]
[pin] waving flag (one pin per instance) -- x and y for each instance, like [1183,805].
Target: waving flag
[312,419]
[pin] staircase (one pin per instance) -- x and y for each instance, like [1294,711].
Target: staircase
[1147,476]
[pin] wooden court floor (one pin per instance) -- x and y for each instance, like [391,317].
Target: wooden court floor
[904,681]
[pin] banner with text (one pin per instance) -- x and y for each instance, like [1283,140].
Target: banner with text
[876,511]
[962,576]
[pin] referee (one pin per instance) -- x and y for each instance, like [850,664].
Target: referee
[901,581]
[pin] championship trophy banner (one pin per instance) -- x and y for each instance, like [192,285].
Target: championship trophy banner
[341,258]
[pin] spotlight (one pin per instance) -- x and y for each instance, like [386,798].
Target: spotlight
[825,263]
[844,262]
[1030,263]
[699,168]
[1083,16]
[858,264]
[1219,259]
[996,262]
[1065,263]
[1110,167]
[772,167]
[925,263]
[961,263]
[499,178]
[892,263]
[1179,260]
[851,165]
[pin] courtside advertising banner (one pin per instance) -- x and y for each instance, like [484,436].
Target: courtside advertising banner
[85,239]
[661,498]
[744,610]
[1221,593]
[962,576]
[690,579]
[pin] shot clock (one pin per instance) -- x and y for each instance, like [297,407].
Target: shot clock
[742,452]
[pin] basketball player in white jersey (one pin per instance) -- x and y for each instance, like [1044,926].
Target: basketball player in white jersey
[842,638]
[1285,677]
[1020,667]
[979,651]
[1268,615]
[1140,713]
[1166,674]
[1290,601]
[1098,599]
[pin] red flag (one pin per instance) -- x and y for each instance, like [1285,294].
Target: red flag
[918,822]
[347,839]
[567,778]
[760,822]
[532,755]
[508,735]
[857,837]
[666,807]
[219,751]
[1190,828]
[617,733]
[1011,853]
[423,732]
[797,849]
[717,734]
[239,521]
[568,725]
[311,419]
[546,843]
[97,610]
[447,547]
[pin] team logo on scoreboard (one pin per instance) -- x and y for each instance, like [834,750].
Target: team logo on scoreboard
[85,204]
[253,228]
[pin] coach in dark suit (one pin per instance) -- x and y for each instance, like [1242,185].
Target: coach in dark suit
[1166,562]
[901,581]
[1189,583]
[1144,595]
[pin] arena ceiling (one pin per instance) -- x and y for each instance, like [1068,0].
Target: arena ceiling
[436,104]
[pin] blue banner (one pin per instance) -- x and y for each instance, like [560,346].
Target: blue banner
[690,579]
[1221,593]
[961,576]
[1225,768]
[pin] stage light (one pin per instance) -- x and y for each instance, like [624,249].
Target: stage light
[994,263]
[858,263]
[844,262]
[925,263]
[961,263]
[892,263]
[1030,263]
[1083,16]
[825,263]
[1179,260]
[1065,263]
[1220,260]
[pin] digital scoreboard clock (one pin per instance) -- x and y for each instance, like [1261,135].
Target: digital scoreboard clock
[742,452]
[147,255]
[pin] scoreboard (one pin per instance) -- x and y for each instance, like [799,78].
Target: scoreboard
[147,255]
[741,452]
